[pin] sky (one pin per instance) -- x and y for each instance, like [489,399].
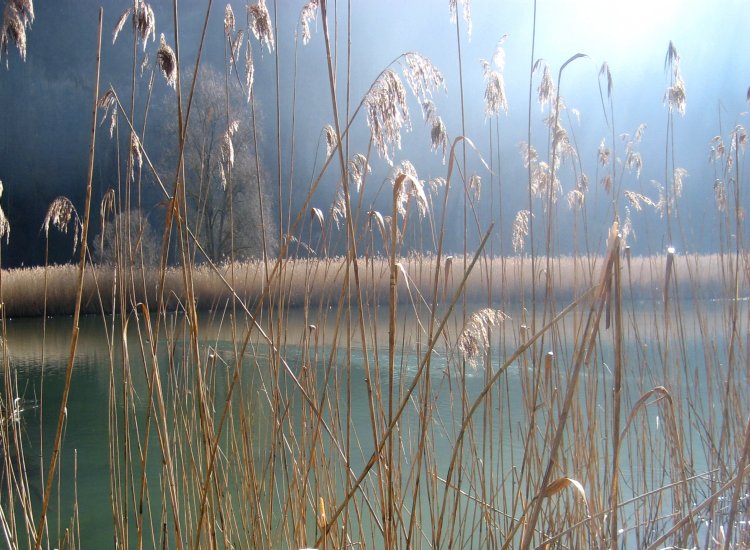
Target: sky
[45,111]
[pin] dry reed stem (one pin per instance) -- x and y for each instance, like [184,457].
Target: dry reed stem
[582,353]
[79,293]
[407,394]
[527,344]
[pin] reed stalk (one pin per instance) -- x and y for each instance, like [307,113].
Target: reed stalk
[76,316]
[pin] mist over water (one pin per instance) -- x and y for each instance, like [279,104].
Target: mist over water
[46,108]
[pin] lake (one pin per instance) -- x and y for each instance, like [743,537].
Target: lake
[501,455]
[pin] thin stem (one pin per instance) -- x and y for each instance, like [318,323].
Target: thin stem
[77,314]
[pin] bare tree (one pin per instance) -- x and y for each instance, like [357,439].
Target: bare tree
[110,245]
[225,186]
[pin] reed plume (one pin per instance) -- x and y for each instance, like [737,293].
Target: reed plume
[229,25]
[582,182]
[739,138]
[439,137]
[332,139]
[437,183]
[528,154]
[429,110]
[106,209]
[474,340]
[520,229]
[638,136]
[466,12]
[108,103]
[475,184]
[120,24]
[438,130]
[678,174]
[59,215]
[143,19]
[358,168]
[408,185]
[338,208]
[661,203]
[633,159]
[236,46]
[387,113]
[309,13]
[561,146]
[717,149]
[260,22]
[637,200]
[603,153]
[541,174]
[546,90]
[136,152]
[145,65]
[167,61]
[495,98]
[543,182]
[422,76]
[675,97]
[4,224]
[107,206]
[144,22]
[385,102]
[666,203]
[627,228]
[25,9]
[575,198]
[227,152]
[18,15]
[720,195]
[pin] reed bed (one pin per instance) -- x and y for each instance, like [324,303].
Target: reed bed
[387,398]
[316,280]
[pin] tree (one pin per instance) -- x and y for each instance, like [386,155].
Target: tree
[228,207]
[145,240]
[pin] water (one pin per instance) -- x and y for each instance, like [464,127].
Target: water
[38,365]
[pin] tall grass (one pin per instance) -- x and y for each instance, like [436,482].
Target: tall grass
[316,280]
[388,398]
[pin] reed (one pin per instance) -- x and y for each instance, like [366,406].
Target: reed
[392,397]
[315,281]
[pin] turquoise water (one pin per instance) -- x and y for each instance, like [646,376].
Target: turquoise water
[38,366]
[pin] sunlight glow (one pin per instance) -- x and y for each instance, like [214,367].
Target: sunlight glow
[623,29]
